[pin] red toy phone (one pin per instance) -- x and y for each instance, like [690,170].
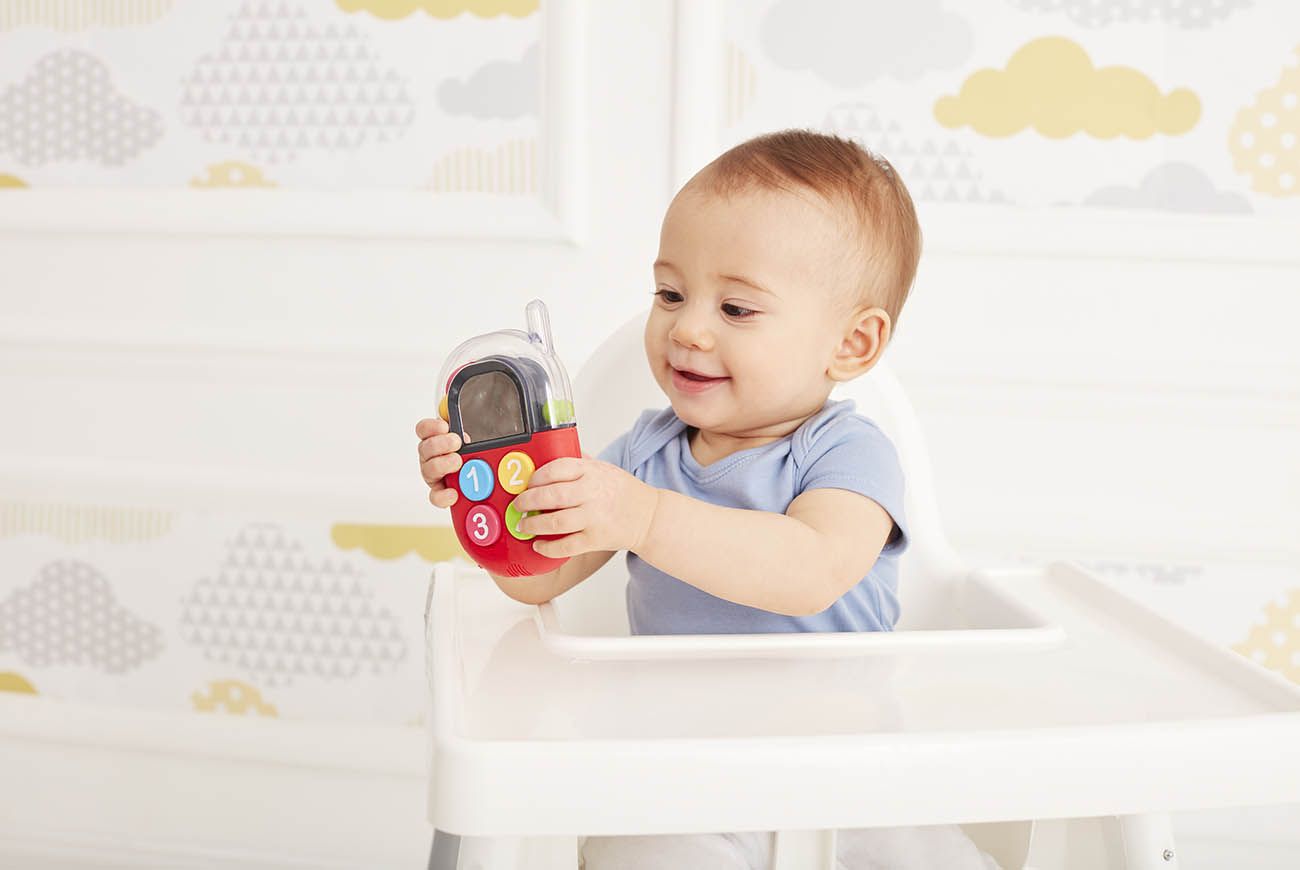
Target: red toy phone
[508,397]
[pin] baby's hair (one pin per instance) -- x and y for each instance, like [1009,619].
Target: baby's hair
[842,172]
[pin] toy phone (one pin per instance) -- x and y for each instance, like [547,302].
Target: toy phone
[507,396]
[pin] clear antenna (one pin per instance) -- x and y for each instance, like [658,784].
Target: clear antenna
[539,325]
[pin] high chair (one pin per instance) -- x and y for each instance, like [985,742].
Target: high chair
[1003,696]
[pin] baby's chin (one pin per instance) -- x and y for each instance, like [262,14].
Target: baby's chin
[714,424]
[692,416]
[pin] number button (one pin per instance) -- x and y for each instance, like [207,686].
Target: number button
[483,525]
[476,480]
[514,472]
[514,518]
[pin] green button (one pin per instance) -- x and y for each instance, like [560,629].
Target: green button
[513,519]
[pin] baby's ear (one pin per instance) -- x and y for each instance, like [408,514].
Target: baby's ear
[865,337]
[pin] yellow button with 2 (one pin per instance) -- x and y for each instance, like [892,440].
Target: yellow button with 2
[514,471]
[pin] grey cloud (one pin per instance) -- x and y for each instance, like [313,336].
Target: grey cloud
[1172,187]
[1101,13]
[850,44]
[502,89]
[69,616]
[277,614]
[66,109]
[279,85]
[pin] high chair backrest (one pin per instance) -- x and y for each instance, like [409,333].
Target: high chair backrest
[615,385]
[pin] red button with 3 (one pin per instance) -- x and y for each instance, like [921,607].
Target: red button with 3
[483,525]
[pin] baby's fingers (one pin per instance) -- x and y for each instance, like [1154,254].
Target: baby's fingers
[442,496]
[431,426]
[564,468]
[558,523]
[564,548]
[438,445]
[434,469]
[549,497]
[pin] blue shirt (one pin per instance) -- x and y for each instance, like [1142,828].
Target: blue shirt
[835,448]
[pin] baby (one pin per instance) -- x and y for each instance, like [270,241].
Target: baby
[782,268]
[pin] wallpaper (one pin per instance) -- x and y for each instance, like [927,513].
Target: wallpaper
[290,94]
[216,612]
[1158,105]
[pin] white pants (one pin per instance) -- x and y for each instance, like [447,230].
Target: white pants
[945,846]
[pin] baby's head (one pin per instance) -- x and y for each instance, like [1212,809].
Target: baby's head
[782,268]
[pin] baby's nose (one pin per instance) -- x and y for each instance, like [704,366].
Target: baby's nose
[691,332]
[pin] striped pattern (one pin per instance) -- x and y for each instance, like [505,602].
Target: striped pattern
[509,168]
[739,83]
[73,15]
[76,523]
[81,14]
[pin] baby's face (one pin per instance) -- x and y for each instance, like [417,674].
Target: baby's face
[747,293]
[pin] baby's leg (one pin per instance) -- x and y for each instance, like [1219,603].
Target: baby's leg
[749,851]
[945,846]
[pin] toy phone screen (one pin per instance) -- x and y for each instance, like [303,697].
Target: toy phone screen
[489,407]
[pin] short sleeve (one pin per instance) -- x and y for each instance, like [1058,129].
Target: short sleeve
[615,453]
[853,454]
[619,451]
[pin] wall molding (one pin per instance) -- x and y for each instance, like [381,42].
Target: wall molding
[558,214]
[99,786]
[1086,232]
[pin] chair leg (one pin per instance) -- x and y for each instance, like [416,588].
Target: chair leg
[451,852]
[804,850]
[1148,842]
[445,851]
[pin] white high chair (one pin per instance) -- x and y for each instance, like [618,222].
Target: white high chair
[1003,696]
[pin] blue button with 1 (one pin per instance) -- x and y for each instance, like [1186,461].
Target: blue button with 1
[476,480]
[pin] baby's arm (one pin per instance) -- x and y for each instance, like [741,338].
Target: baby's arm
[541,588]
[795,563]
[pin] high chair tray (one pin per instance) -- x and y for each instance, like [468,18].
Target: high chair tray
[989,619]
[1128,713]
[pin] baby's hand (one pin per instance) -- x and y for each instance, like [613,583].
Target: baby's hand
[438,458]
[595,505]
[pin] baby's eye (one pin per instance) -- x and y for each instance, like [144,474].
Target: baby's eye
[668,295]
[737,312]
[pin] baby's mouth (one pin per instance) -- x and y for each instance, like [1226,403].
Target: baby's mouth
[694,381]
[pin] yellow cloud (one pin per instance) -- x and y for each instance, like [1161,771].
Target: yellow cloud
[11,682]
[1051,85]
[395,9]
[1265,138]
[232,696]
[232,174]
[431,543]
[1275,643]
[11,181]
